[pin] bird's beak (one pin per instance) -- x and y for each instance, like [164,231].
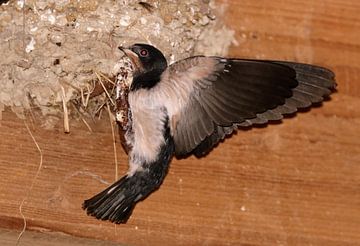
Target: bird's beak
[133,57]
[128,52]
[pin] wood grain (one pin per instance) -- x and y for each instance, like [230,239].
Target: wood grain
[8,238]
[295,183]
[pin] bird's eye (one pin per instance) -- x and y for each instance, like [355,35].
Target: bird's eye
[144,53]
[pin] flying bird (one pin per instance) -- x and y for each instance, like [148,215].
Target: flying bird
[188,107]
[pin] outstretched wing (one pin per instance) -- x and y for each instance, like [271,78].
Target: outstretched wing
[210,97]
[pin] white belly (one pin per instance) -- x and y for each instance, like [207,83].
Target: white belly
[147,135]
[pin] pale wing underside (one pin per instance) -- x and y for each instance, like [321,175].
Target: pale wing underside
[215,96]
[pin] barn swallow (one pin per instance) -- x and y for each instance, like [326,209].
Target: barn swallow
[188,107]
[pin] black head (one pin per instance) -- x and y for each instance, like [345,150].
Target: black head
[149,63]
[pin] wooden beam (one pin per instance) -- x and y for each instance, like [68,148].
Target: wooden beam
[8,238]
[294,183]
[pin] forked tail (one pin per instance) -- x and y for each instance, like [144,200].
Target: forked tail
[117,201]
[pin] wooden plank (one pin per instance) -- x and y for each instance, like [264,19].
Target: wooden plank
[294,183]
[8,238]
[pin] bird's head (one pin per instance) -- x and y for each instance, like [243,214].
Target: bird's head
[148,62]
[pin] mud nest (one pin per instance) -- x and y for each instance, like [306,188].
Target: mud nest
[55,52]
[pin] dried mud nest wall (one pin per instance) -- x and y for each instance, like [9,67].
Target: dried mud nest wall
[53,51]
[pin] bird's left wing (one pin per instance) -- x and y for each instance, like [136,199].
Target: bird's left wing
[209,97]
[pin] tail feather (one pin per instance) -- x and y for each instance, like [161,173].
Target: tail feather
[117,202]
[114,203]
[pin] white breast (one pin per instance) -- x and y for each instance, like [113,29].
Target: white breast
[148,119]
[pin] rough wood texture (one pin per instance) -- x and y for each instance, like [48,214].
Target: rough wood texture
[295,183]
[8,238]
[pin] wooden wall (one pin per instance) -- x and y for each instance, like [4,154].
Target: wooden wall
[295,183]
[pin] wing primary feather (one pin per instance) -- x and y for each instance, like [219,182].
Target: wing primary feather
[271,115]
[314,92]
[312,97]
[285,109]
[298,101]
[320,76]
[258,120]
